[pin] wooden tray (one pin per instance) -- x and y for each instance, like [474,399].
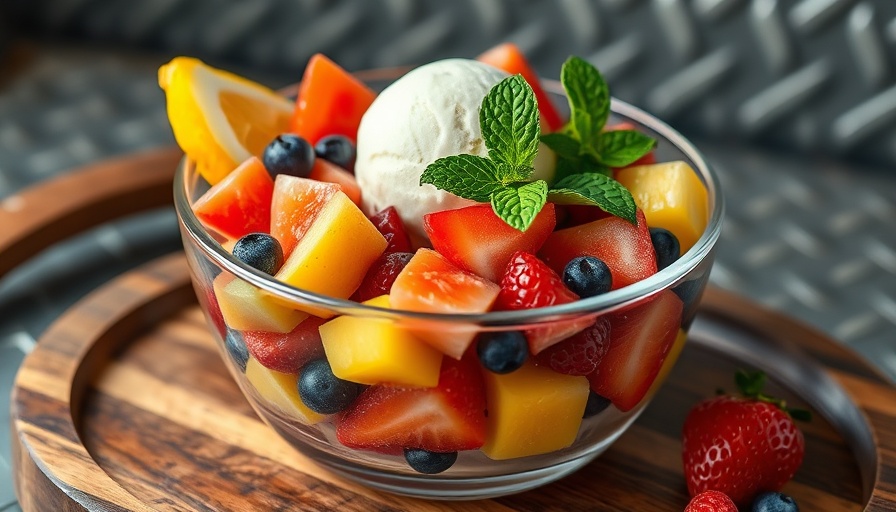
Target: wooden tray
[126,405]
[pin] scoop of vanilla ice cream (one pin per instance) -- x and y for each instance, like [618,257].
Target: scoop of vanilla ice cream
[430,113]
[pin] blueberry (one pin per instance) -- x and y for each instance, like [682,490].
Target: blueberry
[324,392]
[666,247]
[337,149]
[595,404]
[502,352]
[430,463]
[236,349]
[587,276]
[261,251]
[774,502]
[289,154]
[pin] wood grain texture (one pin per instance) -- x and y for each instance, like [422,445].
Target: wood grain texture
[126,405]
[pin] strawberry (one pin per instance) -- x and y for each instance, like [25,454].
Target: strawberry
[711,501]
[625,248]
[477,240]
[741,446]
[529,283]
[381,275]
[286,353]
[449,417]
[581,353]
[640,339]
[388,222]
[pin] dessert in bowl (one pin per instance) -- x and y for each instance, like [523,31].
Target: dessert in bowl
[445,315]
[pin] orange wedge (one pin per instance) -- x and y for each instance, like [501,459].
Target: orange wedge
[220,119]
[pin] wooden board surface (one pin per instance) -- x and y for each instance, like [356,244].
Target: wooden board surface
[126,405]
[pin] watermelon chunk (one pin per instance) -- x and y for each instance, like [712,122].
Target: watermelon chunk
[295,204]
[240,203]
[330,102]
[432,284]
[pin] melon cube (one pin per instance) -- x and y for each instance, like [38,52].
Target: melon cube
[247,308]
[672,196]
[375,350]
[281,390]
[333,256]
[295,204]
[532,410]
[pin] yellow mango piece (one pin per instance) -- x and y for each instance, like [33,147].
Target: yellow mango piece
[335,253]
[281,389]
[371,351]
[668,363]
[531,411]
[672,197]
[246,308]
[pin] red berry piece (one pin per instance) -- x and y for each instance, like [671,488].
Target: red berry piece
[711,501]
[740,446]
[388,222]
[381,275]
[288,352]
[529,283]
[581,353]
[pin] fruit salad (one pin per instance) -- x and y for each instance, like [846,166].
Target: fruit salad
[462,191]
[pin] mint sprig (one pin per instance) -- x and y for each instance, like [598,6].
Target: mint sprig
[583,147]
[508,120]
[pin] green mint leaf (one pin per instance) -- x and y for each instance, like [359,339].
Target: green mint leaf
[509,123]
[588,96]
[623,147]
[468,176]
[508,174]
[596,190]
[583,164]
[564,145]
[518,204]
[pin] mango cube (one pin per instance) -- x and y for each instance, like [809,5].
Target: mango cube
[532,410]
[671,196]
[375,350]
[247,308]
[334,254]
[281,389]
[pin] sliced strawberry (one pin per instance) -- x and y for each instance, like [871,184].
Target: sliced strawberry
[332,173]
[625,248]
[389,223]
[430,283]
[581,353]
[295,205]
[449,417]
[640,339]
[508,57]
[240,203]
[476,239]
[286,353]
[381,276]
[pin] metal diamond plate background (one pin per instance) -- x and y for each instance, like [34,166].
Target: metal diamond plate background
[794,102]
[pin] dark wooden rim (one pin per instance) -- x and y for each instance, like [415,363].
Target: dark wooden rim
[54,461]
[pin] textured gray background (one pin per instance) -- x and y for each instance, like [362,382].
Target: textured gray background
[794,102]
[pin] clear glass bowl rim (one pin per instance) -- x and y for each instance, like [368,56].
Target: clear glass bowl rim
[605,303]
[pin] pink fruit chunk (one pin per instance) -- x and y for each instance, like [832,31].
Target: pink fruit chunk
[432,284]
[295,205]
[477,240]
[579,354]
[640,339]
[286,352]
[625,248]
[381,276]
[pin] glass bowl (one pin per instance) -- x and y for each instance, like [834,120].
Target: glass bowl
[474,475]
